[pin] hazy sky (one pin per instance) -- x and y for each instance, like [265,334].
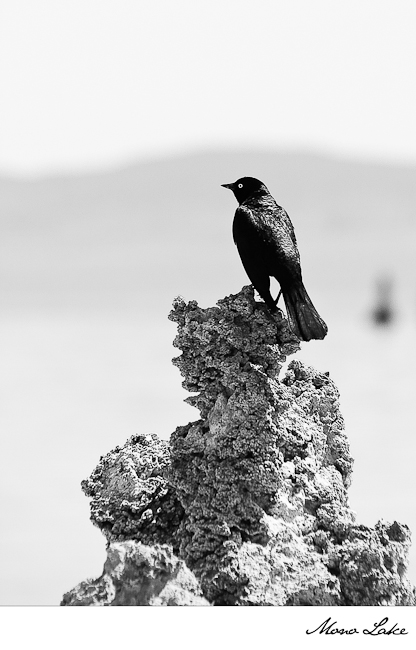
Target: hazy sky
[86,83]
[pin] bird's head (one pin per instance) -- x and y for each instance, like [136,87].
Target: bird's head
[245,187]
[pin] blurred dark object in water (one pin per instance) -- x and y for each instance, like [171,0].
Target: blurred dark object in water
[383,313]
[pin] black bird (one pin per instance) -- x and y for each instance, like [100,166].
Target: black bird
[266,241]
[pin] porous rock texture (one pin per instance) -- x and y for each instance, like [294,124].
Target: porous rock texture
[249,504]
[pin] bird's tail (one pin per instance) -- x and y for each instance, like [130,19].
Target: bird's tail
[303,318]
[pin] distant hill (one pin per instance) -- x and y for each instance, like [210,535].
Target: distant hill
[144,233]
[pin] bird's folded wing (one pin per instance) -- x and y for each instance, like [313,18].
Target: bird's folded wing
[269,229]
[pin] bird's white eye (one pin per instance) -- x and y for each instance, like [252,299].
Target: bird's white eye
[240,185]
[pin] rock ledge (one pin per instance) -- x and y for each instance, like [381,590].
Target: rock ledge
[249,504]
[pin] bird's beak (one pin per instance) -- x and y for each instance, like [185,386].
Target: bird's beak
[229,186]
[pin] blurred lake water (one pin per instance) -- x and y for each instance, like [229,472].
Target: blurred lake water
[75,388]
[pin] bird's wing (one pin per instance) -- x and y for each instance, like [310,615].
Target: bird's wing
[264,230]
[267,224]
[288,224]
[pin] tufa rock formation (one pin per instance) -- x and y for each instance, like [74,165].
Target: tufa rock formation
[249,504]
